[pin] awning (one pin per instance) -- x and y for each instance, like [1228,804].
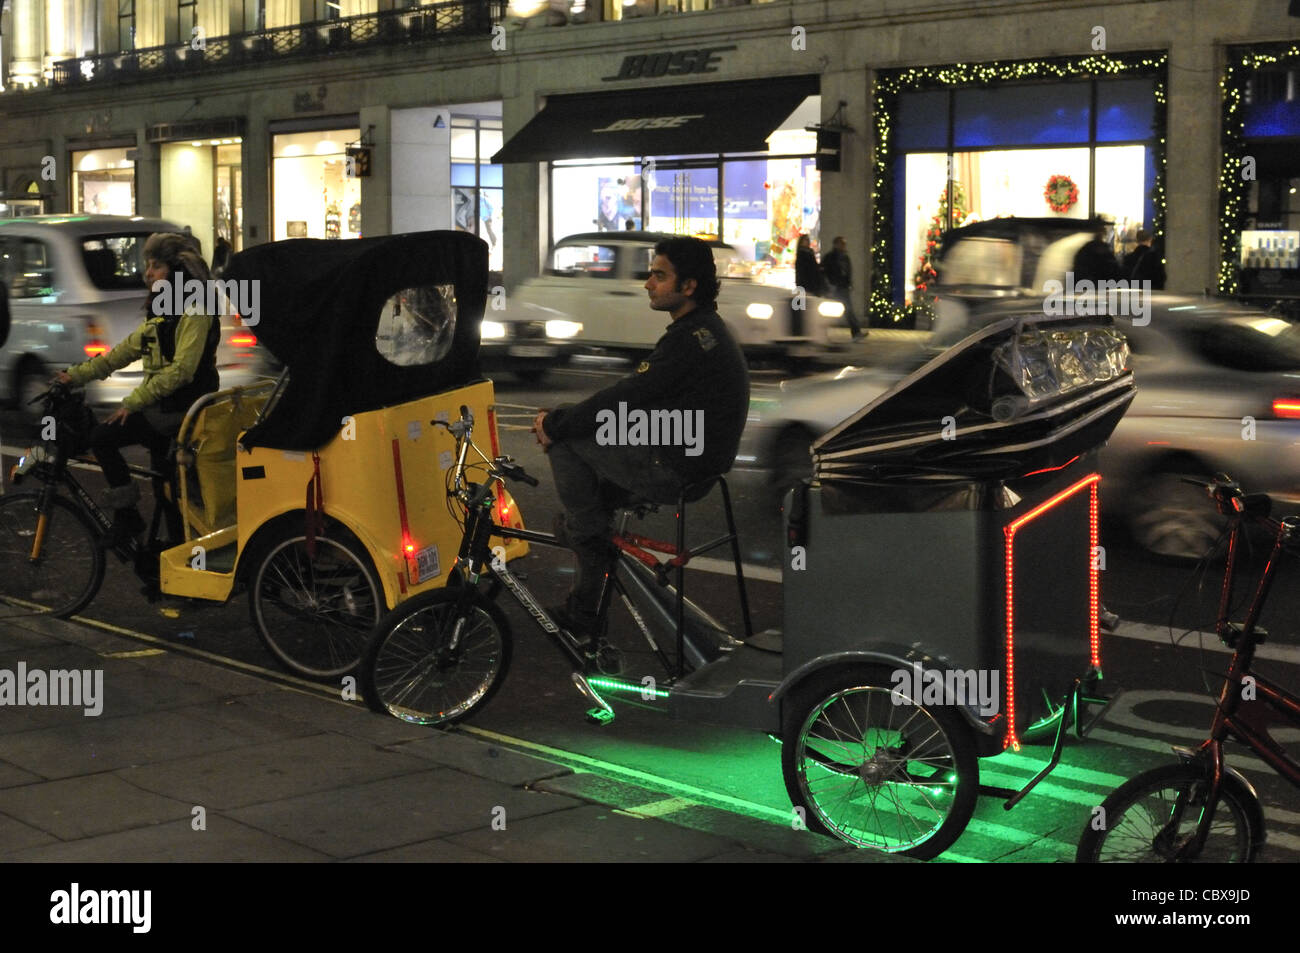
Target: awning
[665,120]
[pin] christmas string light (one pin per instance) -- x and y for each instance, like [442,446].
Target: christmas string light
[891,83]
[1242,63]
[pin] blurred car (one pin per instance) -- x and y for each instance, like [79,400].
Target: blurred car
[1218,389]
[76,289]
[592,297]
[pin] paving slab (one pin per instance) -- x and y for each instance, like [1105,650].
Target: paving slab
[73,808]
[254,773]
[427,852]
[351,821]
[91,745]
[335,714]
[223,841]
[482,759]
[594,835]
[15,835]
[11,774]
[254,724]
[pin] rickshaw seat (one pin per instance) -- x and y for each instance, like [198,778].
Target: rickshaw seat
[211,445]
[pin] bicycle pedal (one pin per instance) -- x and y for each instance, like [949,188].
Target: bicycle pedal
[599,716]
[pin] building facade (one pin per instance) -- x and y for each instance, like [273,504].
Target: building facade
[878,120]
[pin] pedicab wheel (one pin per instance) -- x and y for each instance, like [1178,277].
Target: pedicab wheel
[70,568]
[1149,817]
[901,778]
[432,663]
[315,615]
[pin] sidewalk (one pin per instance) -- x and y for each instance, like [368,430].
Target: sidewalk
[192,761]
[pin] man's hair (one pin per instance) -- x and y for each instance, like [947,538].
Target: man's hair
[692,258]
[1143,236]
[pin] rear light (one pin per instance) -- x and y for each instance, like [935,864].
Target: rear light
[95,345]
[243,339]
[1287,408]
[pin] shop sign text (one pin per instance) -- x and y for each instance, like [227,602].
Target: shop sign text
[681,63]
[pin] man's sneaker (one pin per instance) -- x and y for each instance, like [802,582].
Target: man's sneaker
[582,623]
[127,524]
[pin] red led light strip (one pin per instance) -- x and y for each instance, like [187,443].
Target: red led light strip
[408,546]
[1009,534]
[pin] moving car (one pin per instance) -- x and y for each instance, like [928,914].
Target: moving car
[1218,389]
[591,296]
[75,290]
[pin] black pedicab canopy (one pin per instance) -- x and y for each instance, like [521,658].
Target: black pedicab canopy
[1022,394]
[361,324]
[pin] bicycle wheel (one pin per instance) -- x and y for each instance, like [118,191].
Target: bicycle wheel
[70,568]
[1149,817]
[429,664]
[315,615]
[901,778]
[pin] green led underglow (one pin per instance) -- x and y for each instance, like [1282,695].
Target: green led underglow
[617,685]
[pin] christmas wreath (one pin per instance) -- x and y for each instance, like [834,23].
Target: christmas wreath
[1061,193]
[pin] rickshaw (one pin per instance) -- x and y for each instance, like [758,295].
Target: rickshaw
[312,492]
[946,543]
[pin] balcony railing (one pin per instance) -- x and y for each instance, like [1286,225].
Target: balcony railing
[427,23]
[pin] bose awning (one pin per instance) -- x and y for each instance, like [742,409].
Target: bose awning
[666,120]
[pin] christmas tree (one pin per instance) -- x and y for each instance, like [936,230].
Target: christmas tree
[961,208]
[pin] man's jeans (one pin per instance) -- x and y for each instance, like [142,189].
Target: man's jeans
[587,479]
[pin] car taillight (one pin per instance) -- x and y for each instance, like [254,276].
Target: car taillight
[1287,407]
[94,345]
[243,339]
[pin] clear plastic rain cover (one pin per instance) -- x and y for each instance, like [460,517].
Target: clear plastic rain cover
[1046,364]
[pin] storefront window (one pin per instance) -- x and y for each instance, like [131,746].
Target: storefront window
[103,182]
[202,189]
[477,184]
[313,197]
[1033,129]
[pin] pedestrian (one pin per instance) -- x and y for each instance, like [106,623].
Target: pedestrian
[1095,261]
[1143,262]
[697,371]
[838,269]
[179,352]
[808,280]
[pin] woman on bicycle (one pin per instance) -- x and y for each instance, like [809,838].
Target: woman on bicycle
[180,365]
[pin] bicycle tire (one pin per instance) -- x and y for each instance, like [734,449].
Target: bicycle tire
[70,570]
[315,615]
[1136,814]
[900,778]
[408,673]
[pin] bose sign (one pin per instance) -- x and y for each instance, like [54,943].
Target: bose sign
[649,122]
[681,63]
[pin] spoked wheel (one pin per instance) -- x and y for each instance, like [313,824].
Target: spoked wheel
[901,778]
[1149,818]
[70,567]
[315,615]
[430,663]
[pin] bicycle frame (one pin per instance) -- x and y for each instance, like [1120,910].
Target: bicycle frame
[1246,719]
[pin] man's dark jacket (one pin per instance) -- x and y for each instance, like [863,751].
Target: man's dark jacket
[696,365]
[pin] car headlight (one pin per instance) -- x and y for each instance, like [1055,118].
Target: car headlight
[492,329]
[831,309]
[759,311]
[562,329]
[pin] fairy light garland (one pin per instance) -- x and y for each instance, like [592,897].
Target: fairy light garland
[890,83]
[1243,62]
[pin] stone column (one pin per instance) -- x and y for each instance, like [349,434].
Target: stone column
[27,20]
